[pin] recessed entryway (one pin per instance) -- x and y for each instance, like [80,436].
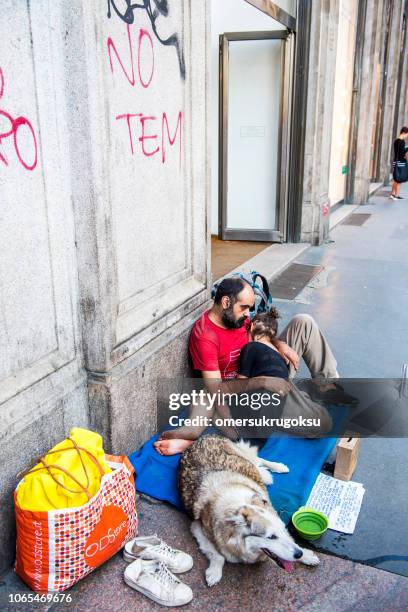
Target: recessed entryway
[226,255]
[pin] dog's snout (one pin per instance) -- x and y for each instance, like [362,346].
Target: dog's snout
[298,553]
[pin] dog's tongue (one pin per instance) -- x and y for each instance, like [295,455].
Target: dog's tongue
[287,565]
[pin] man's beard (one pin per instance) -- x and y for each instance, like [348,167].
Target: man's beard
[230,321]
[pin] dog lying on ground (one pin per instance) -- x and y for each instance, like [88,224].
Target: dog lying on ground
[222,485]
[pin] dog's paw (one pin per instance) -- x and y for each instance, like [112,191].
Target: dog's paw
[280,468]
[309,558]
[266,475]
[213,575]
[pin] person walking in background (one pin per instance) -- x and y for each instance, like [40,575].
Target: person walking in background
[400,157]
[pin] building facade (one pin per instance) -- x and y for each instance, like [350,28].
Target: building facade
[356,104]
[306,100]
[107,204]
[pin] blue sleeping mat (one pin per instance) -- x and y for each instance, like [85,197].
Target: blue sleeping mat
[156,475]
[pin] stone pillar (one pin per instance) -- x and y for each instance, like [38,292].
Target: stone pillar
[403,115]
[322,67]
[138,141]
[365,105]
[390,101]
[402,118]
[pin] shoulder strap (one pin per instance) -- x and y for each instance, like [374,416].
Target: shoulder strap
[264,291]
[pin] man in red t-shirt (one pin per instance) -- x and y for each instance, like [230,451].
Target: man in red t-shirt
[215,347]
[217,338]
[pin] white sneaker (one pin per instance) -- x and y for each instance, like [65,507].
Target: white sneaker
[153,548]
[153,579]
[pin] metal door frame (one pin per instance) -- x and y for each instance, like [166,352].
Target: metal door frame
[279,234]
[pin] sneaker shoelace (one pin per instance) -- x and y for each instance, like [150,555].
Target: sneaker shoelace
[165,550]
[165,577]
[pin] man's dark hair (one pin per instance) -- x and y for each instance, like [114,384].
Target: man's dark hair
[229,287]
[404,130]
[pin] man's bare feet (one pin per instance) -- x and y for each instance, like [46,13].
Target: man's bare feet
[172,446]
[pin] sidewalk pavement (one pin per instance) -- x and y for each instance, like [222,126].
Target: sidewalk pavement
[361,301]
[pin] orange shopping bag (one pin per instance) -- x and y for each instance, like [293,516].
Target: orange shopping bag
[57,548]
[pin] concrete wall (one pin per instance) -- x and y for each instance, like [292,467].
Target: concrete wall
[104,220]
[141,203]
[42,380]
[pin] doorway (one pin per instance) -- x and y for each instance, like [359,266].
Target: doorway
[255,76]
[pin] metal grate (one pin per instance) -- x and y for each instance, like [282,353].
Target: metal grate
[356,219]
[290,282]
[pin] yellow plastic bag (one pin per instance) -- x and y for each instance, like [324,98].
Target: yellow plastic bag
[67,477]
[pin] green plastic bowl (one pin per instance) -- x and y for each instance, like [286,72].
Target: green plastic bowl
[309,523]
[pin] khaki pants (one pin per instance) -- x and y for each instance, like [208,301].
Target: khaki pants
[303,335]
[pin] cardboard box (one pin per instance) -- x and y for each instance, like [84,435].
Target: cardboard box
[347,456]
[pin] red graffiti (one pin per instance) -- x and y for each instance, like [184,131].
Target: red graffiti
[14,125]
[128,117]
[112,47]
[145,136]
[143,34]
[171,140]
[147,133]
[145,41]
[153,134]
